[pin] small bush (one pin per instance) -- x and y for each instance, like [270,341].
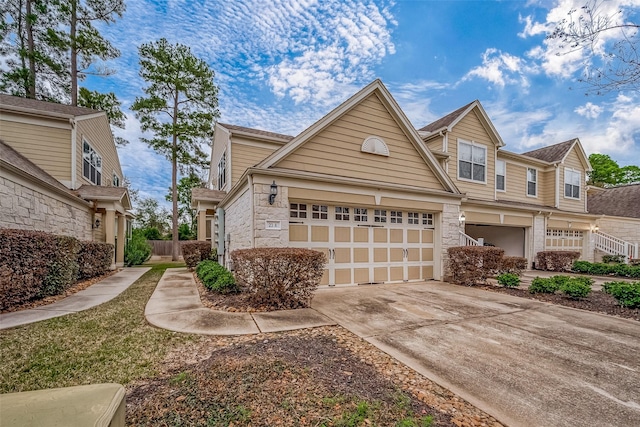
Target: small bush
[556,260]
[627,293]
[472,264]
[541,285]
[279,277]
[137,251]
[195,252]
[581,266]
[600,269]
[576,287]
[509,280]
[94,259]
[215,277]
[513,264]
[614,259]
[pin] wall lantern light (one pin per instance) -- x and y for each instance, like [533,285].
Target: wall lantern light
[273,193]
[595,228]
[96,224]
[462,218]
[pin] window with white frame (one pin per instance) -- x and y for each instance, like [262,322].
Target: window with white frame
[222,171]
[501,175]
[116,180]
[380,215]
[91,164]
[342,213]
[298,210]
[427,219]
[360,215]
[572,183]
[413,218]
[472,161]
[395,217]
[319,211]
[532,182]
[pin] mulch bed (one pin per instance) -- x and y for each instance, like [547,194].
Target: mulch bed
[75,288]
[308,377]
[597,301]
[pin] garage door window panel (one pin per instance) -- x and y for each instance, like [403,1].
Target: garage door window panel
[298,210]
[319,212]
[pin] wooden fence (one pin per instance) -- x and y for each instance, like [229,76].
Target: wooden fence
[164,247]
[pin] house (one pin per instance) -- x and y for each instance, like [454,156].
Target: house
[384,200]
[61,172]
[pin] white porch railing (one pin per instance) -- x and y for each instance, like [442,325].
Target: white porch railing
[466,240]
[615,246]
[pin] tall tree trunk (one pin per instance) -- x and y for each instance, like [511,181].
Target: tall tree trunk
[74,52]
[174,182]
[21,20]
[31,93]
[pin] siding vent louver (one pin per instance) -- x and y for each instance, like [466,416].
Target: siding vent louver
[375,145]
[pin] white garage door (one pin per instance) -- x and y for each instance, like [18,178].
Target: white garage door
[365,245]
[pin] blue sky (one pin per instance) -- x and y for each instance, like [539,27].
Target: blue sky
[283,64]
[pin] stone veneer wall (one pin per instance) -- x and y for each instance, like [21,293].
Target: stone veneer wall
[539,237]
[627,229]
[279,211]
[237,219]
[450,234]
[26,207]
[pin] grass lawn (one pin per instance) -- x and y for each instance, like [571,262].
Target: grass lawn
[312,377]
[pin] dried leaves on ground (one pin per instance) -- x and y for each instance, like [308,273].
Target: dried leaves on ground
[315,377]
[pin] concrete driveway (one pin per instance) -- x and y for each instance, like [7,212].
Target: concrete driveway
[525,362]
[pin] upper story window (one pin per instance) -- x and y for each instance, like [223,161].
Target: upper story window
[532,182]
[571,183]
[91,164]
[342,213]
[472,161]
[501,175]
[222,171]
[116,180]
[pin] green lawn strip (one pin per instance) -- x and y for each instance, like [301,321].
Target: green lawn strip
[108,343]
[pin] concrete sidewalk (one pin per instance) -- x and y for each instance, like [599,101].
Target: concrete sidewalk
[175,305]
[99,293]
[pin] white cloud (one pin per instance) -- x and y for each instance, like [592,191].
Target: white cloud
[501,68]
[589,110]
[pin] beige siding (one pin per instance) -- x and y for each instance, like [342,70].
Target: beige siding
[547,188]
[97,133]
[220,143]
[470,129]
[336,150]
[246,156]
[516,185]
[47,146]
[572,162]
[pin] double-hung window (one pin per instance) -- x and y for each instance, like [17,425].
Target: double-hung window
[472,161]
[116,180]
[532,182]
[91,164]
[501,175]
[571,183]
[222,171]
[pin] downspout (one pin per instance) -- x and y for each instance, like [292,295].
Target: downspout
[252,220]
[74,153]
[557,205]
[221,236]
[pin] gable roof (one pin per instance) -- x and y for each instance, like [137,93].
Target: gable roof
[207,195]
[241,130]
[17,103]
[392,107]
[552,153]
[616,201]
[104,193]
[447,122]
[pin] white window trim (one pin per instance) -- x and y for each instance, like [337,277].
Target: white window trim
[85,141]
[486,166]
[564,191]
[505,176]
[224,171]
[112,180]
[526,187]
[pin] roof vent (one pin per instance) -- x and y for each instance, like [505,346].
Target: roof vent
[375,145]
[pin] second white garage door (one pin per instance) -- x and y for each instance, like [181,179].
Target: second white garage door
[365,245]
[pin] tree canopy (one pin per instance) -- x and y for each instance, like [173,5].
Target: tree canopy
[179,109]
[606,172]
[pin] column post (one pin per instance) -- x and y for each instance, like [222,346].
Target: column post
[110,231]
[122,233]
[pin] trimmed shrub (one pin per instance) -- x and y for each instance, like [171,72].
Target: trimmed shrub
[627,293]
[215,277]
[279,277]
[469,265]
[94,259]
[195,252]
[509,280]
[541,285]
[513,264]
[63,266]
[601,269]
[614,259]
[556,260]
[138,250]
[581,266]
[576,287]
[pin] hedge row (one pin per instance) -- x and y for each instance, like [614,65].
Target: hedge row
[281,278]
[573,287]
[556,260]
[472,264]
[195,252]
[35,264]
[602,269]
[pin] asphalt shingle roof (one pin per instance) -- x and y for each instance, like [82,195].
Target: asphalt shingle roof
[207,195]
[256,131]
[616,201]
[44,106]
[552,153]
[446,120]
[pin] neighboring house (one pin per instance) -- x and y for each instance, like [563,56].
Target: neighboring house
[61,172]
[384,201]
